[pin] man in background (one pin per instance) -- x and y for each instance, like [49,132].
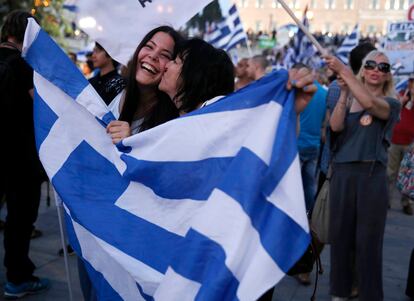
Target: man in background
[256,67]
[19,160]
[241,74]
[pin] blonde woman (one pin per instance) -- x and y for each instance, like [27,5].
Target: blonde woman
[361,123]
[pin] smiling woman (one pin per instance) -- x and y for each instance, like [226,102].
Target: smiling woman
[142,105]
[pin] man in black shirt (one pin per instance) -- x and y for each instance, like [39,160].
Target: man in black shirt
[108,83]
[19,162]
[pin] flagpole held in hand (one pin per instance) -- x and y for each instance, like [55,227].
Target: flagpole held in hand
[318,46]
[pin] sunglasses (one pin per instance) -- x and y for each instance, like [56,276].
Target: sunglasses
[383,67]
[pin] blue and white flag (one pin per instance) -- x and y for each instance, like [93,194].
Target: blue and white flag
[348,44]
[119,26]
[402,85]
[303,47]
[228,33]
[208,206]
[70,5]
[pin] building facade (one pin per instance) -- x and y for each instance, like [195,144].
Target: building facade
[335,16]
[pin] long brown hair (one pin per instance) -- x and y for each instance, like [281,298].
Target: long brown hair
[163,109]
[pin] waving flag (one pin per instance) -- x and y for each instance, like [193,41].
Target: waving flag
[348,44]
[228,33]
[303,47]
[402,85]
[208,206]
[119,26]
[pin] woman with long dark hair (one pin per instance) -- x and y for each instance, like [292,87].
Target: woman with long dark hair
[142,105]
[201,72]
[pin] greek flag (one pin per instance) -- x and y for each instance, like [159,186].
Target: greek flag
[208,206]
[228,33]
[348,44]
[303,48]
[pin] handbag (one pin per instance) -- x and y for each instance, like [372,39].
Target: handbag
[405,181]
[320,214]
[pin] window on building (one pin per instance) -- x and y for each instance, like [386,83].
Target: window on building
[397,4]
[258,25]
[259,4]
[330,4]
[349,4]
[374,4]
[243,3]
[296,4]
[276,4]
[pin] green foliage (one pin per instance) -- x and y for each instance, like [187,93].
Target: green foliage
[47,12]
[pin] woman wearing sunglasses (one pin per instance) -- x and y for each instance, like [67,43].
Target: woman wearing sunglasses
[361,122]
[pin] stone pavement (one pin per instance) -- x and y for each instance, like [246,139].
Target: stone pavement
[399,241]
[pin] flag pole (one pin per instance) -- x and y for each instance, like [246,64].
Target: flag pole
[59,208]
[303,28]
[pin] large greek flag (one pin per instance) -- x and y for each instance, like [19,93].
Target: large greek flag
[208,206]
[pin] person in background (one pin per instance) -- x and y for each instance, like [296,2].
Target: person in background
[73,57]
[311,122]
[361,123]
[256,67]
[107,82]
[356,56]
[87,67]
[20,162]
[241,74]
[402,137]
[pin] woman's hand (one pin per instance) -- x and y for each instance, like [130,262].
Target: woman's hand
[118,130]
[303,81]
[342,84]
[335,64]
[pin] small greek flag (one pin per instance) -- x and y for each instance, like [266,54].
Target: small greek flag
[348,44]
[228,33]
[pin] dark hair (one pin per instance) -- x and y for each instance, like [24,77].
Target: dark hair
[300,65]
[261,61]
[357,55]
[99,46]
[160,111]
[206,72]
[15,25]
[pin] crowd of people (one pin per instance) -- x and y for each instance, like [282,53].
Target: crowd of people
[353,130]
